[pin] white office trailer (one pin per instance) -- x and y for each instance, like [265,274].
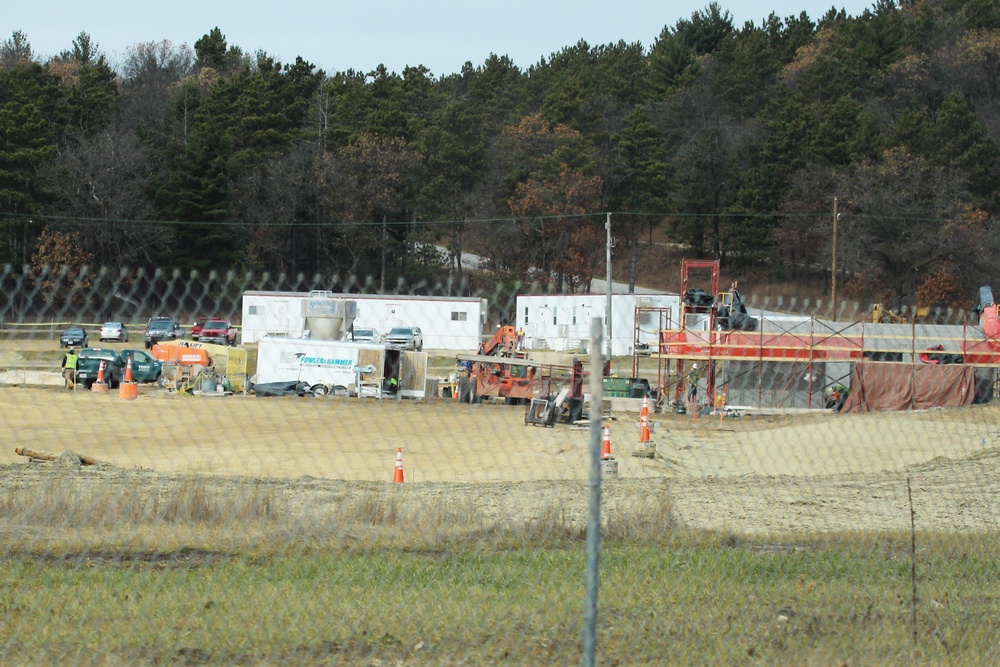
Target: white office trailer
[447,323]
[561,322]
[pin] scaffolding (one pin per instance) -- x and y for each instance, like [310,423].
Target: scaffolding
[793,361]
[662,315]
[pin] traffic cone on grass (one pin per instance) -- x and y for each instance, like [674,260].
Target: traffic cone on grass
[128,370]
[398,476]
[606,447]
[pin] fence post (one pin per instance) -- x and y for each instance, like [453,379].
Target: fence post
[594,508]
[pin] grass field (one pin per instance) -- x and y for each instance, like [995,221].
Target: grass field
[243,531]
[198,573]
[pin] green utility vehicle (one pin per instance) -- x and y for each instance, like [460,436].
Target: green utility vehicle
[145,368]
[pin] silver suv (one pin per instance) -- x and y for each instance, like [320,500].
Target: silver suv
[161,328]
[408,338]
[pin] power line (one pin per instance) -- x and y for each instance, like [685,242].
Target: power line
[595,217]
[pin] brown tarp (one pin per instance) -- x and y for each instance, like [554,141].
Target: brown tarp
[897,386]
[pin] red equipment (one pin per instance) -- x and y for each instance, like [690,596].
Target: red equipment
[507,375]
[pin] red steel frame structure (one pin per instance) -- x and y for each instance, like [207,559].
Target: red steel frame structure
[820,344]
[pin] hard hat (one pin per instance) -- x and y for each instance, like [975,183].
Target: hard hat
[694,367]
[72,349]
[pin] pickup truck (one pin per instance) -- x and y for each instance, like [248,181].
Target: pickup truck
[144,367]
[218,331]
[161,328]
[408,338]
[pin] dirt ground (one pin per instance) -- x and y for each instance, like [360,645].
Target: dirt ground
[758,473]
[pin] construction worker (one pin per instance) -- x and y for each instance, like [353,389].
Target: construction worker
[69,368]
[520,338]
[692,383]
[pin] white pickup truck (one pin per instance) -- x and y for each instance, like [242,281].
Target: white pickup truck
[408,338]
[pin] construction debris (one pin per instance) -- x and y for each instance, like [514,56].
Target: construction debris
[48,456]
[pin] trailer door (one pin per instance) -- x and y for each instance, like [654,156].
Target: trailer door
[393,316]
[372,383]
[276,318]
[412,374]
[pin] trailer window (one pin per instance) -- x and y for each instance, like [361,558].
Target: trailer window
[251,310]
[459,316]
[525,314]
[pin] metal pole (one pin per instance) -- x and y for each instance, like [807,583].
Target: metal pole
[594,507]
[833,268]
[607,226]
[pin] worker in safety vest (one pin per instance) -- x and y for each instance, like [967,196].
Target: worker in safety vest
[69,368]
[692,383]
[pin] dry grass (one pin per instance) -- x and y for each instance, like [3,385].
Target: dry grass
[191,570]
[219,513]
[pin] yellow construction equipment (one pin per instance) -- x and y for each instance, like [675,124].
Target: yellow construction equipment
[882,315]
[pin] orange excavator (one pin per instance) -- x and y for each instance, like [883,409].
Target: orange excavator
[500,370]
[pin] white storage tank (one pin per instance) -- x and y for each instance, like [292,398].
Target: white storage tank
[326,317]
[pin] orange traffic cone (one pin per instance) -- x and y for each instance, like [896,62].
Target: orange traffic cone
[606,448]
[644,420]
[100,384]
[128,370]
[398,477]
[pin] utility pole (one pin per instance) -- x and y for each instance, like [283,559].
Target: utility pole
[607,323]
[833,268]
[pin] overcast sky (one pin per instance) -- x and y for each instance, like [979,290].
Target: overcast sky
[335,36]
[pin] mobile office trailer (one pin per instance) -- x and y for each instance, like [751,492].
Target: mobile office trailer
[336,366]
[447,322]
[562,321]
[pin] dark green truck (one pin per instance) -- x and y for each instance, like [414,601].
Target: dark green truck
[144,367]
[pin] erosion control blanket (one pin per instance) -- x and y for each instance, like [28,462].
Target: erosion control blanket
[896,386]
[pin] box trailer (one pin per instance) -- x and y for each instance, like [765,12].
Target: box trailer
[447,323]
[329,366]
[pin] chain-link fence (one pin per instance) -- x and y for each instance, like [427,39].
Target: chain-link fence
[405,478]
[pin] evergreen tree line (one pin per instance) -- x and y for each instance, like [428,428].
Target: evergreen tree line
[730,142]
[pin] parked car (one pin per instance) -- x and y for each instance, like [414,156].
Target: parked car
[88,367]
[218,331]
[161,328]
[114,331]
[197,325]
[366,335]
[145,368]
[408,338]
[74,337]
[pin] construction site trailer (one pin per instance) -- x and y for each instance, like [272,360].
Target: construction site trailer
[447,323]
[341,366]
[561,322]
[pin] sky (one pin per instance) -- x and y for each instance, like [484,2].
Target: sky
[333,35]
